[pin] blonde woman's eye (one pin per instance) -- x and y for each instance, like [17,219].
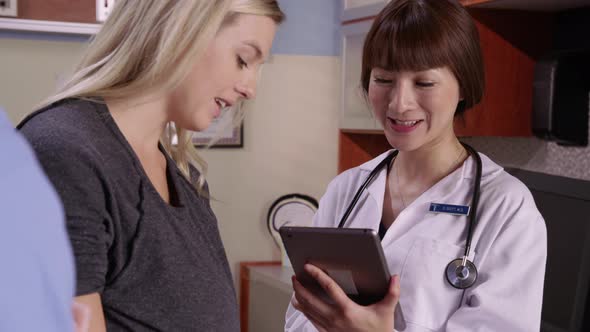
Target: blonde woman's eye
[241,63]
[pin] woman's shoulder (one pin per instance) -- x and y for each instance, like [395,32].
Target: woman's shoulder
[67,124]
[69,115]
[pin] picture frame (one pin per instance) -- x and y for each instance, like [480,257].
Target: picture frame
[221,129]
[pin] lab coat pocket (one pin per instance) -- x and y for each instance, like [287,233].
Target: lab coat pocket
[427,299]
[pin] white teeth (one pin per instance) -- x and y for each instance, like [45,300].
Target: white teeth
[406,123]
[220,102]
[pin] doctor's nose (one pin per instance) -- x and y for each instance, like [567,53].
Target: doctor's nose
[402,97]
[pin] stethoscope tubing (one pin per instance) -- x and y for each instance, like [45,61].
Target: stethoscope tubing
[474,198]
[472,213]
[365,184]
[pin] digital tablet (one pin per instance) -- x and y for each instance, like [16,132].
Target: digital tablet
[353,257]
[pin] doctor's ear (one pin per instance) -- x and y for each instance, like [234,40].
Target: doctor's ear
[460,107]
[461,104]
[461,93]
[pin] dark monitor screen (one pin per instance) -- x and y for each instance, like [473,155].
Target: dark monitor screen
[565,206]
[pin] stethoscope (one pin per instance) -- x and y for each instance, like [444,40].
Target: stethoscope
[461,273]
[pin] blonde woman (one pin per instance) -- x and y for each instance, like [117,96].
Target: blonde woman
[146,242]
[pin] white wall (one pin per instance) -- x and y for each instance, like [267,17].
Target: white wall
[290,145]
[30,70]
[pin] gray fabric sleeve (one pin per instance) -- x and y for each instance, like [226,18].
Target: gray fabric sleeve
[78,181]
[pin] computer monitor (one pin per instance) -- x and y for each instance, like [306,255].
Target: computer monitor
[565,206]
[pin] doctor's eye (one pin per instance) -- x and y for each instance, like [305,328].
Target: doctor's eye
[241,63]
[424,84]
[379,80]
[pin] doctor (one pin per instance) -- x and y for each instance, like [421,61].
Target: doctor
[422,67]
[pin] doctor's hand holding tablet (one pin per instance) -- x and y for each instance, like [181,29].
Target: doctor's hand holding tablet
[343,314]
[342,283]
[463,239]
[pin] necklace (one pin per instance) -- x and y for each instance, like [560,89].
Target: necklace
[399,190]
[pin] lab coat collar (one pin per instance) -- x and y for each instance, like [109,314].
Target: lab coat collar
[371,164]
[377,189]
[489,168]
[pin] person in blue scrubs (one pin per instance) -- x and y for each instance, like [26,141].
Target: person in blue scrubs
[37,267]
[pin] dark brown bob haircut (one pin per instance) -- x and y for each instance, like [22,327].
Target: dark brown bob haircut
[417,35]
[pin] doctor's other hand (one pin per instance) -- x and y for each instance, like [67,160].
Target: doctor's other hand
[344,314]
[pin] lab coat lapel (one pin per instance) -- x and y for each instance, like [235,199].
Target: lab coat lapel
[376,193]
[369,215]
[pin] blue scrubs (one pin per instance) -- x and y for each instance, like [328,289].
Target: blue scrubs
[36,262]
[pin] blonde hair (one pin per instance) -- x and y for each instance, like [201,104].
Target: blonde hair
[148,46]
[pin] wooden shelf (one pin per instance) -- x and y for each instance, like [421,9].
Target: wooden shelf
[54,16]
[49,26]
[528,5]
[357,148]
[362,131]
[468,3]
[79,11]
[511,43]
[369,11]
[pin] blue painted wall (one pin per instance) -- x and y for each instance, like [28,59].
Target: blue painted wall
[312,28]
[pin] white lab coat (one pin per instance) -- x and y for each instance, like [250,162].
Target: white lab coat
[509,248]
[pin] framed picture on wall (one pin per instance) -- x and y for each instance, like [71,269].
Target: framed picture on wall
[221,129]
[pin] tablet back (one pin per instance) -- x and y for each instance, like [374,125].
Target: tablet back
[353,257]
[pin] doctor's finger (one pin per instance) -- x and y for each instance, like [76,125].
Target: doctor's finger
[392,297]
[318,326]
[310,303]
[311,316]
[329,285]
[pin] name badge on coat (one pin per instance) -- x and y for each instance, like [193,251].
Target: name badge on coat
[458,210]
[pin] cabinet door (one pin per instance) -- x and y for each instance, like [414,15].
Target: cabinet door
[355,112]
[361,9]
[349,4]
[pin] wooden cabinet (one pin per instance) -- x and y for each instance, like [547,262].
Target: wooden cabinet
[511,41]
[513,35]
[54,16]
[265,293]
[349,4]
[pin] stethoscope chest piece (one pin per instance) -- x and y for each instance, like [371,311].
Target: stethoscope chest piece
[461,275]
